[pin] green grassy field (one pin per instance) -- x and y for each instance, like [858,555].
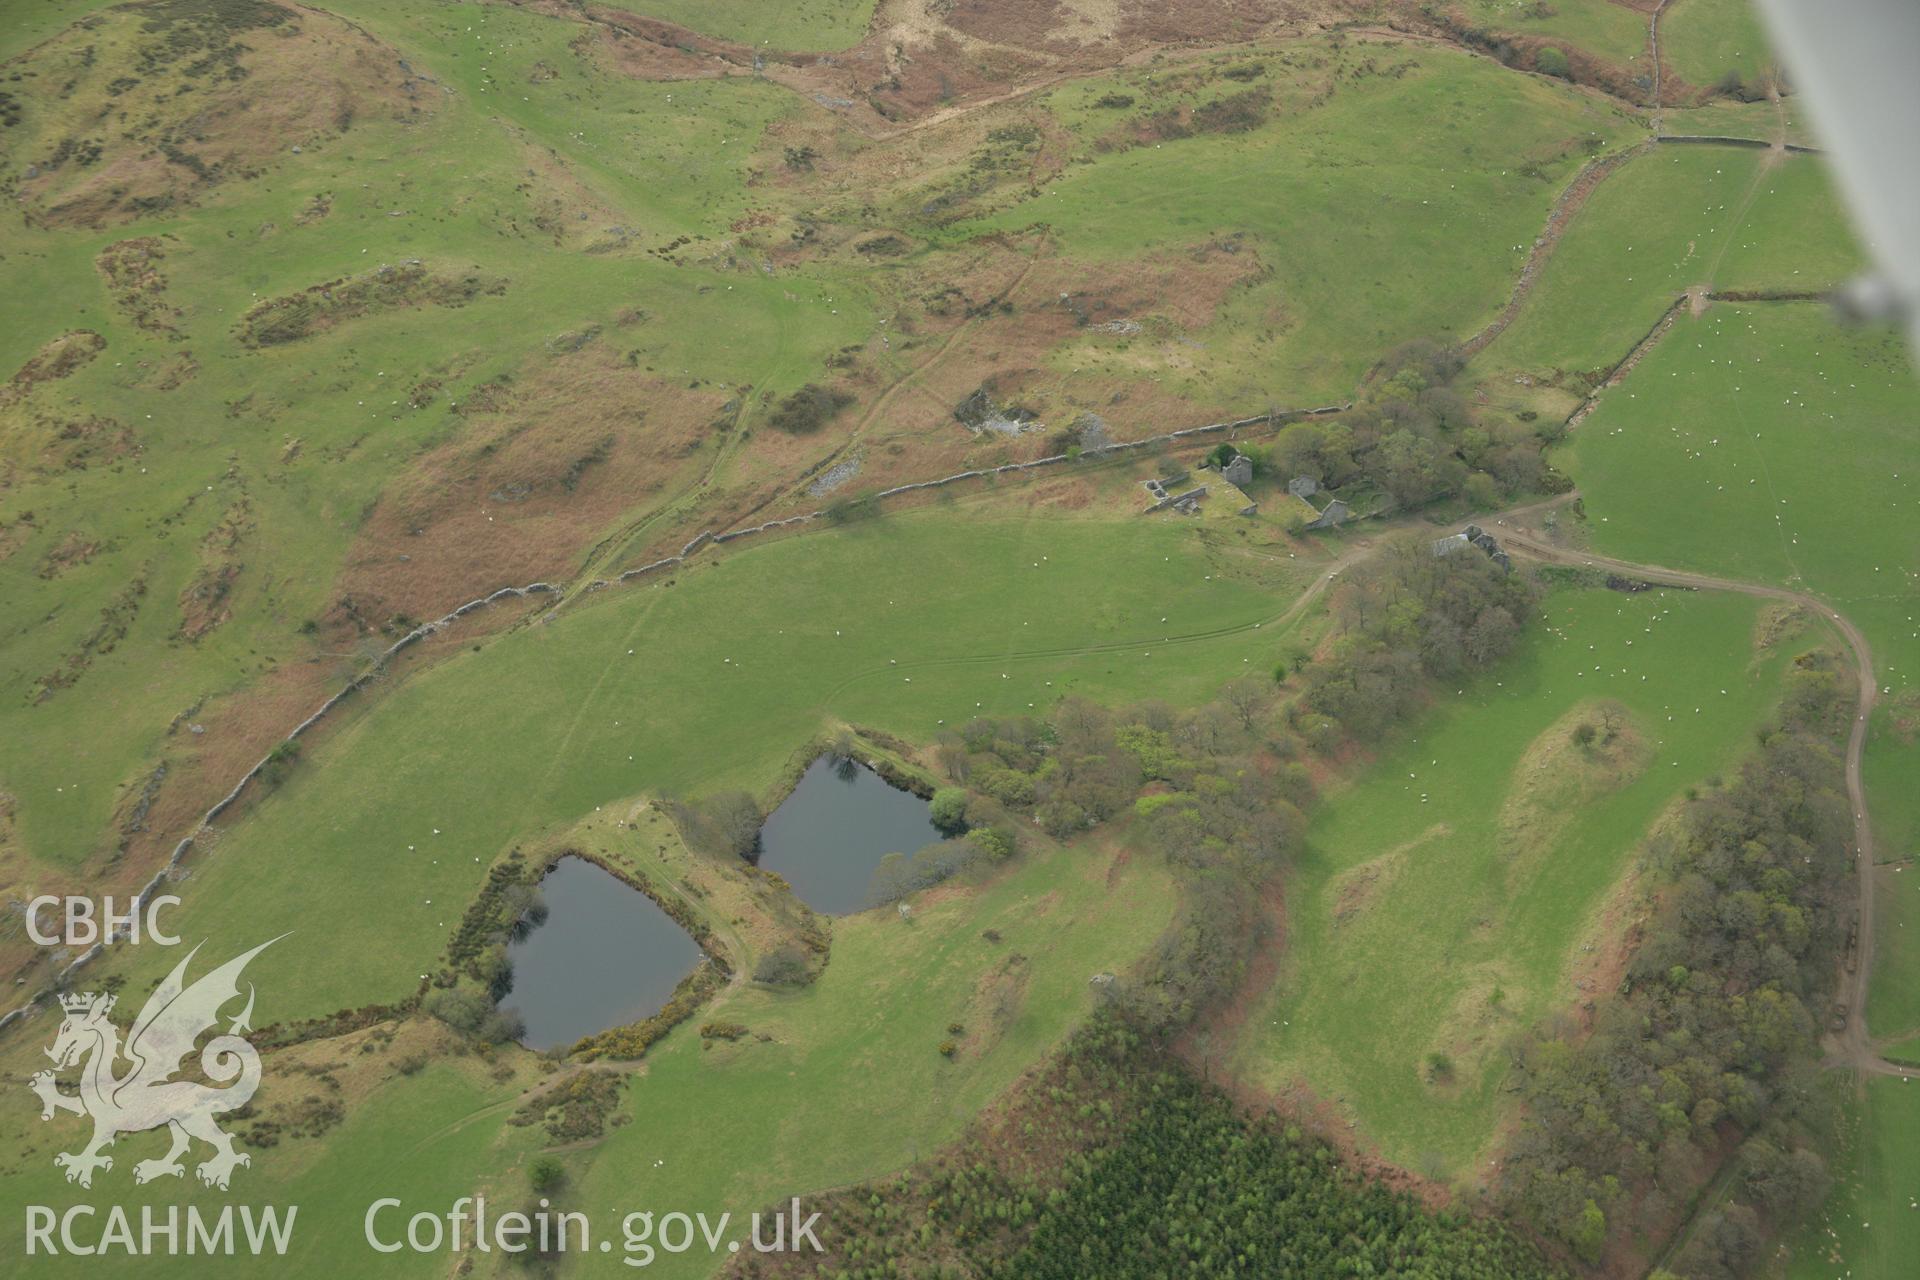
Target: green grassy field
[1703,40]
[1669,220]
[304,437]
[1601,27]
[1725,117]
[1398,209]
[1893,1000]
[384,829]
[1767,444]
[800,25]
[1446,898]
[851,1083]
[847,1083]
[419,1137]
[31,21]
[1870,1228]
[1896,808]
[661,261]
[541,168]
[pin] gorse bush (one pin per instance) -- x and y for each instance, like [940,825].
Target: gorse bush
[808,409]
[784,966]
[472,1014]
[546,1174]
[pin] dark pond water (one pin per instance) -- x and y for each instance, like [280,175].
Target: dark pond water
[605,956]
[829,835]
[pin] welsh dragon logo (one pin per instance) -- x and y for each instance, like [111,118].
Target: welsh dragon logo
[145,1096]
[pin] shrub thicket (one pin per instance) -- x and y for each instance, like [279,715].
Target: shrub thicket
[808,409]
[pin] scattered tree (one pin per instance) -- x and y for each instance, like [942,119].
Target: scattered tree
[546,1174]
[784,966]
[996,843]
[727,822]
[948,810]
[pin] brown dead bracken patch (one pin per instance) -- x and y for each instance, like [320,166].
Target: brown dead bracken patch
[137,284]
[318,308]
[927,60]
[72,551]
[145,107]
[542,467]
[55,360]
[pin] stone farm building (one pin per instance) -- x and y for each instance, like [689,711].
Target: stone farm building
[1173,491]
[1473,536]
[1328,512]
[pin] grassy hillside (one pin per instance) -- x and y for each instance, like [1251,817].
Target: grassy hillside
[1728,117]
[183,457]
[416,1135]
[1469,883]
[713,1126]
[1601,27]
[31,21]
[426,356]
[1893,1011]
[807,25]
[318,322]
[144,107]
[759,1119]
[1718,453]
[1766,443]
[706,680]
[1671,219]
[1869,1229]
[1372,225]
[1705,40]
